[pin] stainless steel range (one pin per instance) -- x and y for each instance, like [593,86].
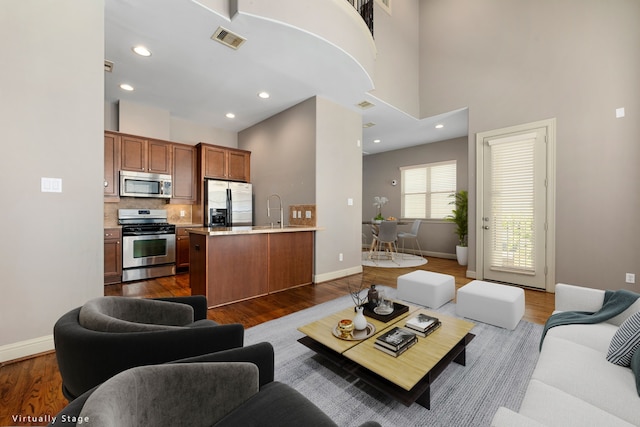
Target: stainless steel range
[148,244]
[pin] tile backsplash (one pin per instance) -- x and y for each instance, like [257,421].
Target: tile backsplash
[173,211]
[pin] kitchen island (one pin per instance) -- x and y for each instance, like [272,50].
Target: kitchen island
[229,264]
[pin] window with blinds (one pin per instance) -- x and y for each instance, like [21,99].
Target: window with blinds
[427,190]
[512,205]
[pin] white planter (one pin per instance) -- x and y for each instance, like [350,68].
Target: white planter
[462,254]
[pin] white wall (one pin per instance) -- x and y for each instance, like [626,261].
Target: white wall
[516,62]
[397,62]
[52,122]
[338,178]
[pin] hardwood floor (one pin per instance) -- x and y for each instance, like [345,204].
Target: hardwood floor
[32,387]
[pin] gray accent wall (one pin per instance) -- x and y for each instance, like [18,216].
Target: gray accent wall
[515,62]
[309,154]
[436,237]
[283,159]
[52,123]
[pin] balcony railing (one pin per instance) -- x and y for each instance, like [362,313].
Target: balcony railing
[365,9]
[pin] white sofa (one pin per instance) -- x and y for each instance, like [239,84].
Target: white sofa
[573,384]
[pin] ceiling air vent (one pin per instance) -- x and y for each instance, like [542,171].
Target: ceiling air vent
[108,66]
[368,125]
[365,104]
[228,38]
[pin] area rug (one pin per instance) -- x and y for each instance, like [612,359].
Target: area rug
[499,363]
[380,259]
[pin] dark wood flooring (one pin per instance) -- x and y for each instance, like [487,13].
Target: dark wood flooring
[32,387]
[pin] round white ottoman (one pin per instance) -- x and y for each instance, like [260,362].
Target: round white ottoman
[493,303]
[426,288]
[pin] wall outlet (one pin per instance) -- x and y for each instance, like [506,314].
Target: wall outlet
[182,214]
[630,278]
[340,257]
[307,214]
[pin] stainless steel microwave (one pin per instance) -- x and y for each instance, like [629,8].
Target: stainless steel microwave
[141,184]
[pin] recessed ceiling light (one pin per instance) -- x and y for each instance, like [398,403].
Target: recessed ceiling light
[141,50]
[127,87]
[440,126]
[264,95]
[376,141]
[230,115]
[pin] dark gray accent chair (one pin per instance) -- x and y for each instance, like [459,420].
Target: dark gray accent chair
[229,388]
[109,335]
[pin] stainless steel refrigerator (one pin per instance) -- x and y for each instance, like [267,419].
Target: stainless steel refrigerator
[227,203]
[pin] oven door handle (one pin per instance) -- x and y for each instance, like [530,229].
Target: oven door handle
[147,233]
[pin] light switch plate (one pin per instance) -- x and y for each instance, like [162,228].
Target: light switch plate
[50,185]
[619,113]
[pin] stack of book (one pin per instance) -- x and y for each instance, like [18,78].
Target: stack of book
[396,341]
[422,324]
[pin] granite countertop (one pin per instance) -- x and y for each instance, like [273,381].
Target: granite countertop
[226,231]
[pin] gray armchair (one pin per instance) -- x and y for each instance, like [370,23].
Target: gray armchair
[109,335]
[229,388]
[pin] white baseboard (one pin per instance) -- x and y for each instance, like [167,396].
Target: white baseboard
[332,275]
[471,274]
[26,348]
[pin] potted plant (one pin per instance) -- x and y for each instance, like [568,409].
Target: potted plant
[460,217]
[379,202]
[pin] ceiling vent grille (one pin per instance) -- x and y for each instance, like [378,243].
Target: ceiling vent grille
[228,38]
[368,125]
[108,66]
[365,104]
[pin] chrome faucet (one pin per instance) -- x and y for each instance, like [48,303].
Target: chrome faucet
[279,208]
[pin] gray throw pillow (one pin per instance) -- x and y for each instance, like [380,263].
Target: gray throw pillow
[625,342]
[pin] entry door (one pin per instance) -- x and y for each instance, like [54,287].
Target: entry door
[514,207]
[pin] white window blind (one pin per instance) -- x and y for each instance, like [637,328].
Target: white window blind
[512,205]
[426,190]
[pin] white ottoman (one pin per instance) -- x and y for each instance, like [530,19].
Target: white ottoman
[426,288]
[498,305]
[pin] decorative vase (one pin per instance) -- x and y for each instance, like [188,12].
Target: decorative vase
[372,295]
[462,254]
[359,321]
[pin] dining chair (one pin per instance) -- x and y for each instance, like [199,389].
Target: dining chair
[387,235]
[412,234]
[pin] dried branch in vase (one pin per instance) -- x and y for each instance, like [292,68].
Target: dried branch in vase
[356,286]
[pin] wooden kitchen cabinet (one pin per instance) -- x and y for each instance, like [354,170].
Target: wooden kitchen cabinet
[111,167]
[182,248]
[184,175]
[228,267]
[224,163]
[145,155]
[112,255]
[239,165]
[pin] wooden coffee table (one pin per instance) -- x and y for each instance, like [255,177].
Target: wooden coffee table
[408,377]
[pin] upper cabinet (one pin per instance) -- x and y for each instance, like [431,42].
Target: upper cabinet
[239,165]
[188,165]
[184,175]
[224,163]
[145,155]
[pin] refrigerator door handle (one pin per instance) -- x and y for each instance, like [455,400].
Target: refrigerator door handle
[229,208]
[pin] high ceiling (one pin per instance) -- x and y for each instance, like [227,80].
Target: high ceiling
[201,80]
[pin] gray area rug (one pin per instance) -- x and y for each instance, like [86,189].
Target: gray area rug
[380,259]
[499,365]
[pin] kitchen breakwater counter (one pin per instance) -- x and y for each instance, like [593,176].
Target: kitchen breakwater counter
[237,263]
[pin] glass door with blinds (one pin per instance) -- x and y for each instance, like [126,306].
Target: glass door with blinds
[514,223]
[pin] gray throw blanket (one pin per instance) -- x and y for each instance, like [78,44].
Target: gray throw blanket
[615,302]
